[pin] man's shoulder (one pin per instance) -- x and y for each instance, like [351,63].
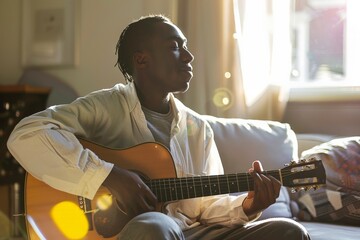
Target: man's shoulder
[107,92]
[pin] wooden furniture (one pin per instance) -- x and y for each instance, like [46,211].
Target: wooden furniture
[16,102]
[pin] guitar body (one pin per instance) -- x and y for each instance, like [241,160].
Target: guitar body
[150,159]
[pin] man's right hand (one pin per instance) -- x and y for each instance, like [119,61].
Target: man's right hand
[132,194]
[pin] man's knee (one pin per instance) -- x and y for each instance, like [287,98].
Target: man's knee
[151,225]
[287,228]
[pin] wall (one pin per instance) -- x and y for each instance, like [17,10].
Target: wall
[340,118]
[101,23]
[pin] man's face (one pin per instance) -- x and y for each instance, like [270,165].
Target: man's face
[169,65]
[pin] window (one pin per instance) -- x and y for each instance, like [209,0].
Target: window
[326,43]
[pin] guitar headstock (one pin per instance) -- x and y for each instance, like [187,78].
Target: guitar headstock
[305,174]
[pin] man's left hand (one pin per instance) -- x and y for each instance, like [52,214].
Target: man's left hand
[266,191]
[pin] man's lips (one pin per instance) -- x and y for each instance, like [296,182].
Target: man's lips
[186,69]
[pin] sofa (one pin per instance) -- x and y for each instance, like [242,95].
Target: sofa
[240,141]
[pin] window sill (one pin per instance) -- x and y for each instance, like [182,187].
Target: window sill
[324,93]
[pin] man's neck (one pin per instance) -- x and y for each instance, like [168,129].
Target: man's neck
[154,102]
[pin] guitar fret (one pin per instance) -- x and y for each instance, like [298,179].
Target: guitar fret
[202,187]
[194,186]
[174,190]
[223,185]
[158,189]
[218,183]
[247,180]
[191,188]
[214,187]
[237,182]
[227,182]
[205,186]
[178,189]
[182,192]
[233,185]
[210,190]
[170,189]
[187,188]
[167,190]
[161,191]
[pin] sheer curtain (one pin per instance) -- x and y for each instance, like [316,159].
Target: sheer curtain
[242,54]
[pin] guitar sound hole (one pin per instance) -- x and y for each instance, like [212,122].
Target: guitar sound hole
[110,222]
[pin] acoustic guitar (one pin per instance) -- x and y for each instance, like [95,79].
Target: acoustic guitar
[154,162]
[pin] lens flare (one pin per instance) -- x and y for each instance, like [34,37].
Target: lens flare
[70,220]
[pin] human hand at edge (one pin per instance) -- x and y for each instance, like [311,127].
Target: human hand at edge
[266,191]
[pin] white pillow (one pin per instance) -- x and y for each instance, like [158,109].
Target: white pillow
[242,141]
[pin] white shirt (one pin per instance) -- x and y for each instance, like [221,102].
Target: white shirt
[46,146]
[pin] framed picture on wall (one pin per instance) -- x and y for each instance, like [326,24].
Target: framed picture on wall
[50,33]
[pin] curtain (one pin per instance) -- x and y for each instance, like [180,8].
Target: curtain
[242,55]
[263,29]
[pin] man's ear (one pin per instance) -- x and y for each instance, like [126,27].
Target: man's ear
[140,59]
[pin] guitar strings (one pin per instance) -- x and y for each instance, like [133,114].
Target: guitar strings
[214,178]
[168,189]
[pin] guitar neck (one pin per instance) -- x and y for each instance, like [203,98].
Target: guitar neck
[171,189]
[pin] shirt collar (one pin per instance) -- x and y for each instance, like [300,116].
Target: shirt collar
[133,101]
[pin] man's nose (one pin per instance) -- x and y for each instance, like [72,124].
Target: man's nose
[187,56]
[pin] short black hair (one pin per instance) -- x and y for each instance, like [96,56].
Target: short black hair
[131,39]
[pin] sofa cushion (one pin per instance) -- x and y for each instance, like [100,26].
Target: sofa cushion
[242,141]
[326,205]
[341,159]
[339,200]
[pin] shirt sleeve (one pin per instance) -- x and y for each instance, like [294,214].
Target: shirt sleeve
[221,209]
[46,146]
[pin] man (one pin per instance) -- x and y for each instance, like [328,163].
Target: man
[153,56]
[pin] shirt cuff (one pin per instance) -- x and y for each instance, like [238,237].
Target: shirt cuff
[94,181]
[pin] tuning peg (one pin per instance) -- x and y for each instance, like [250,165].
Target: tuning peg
[292,162]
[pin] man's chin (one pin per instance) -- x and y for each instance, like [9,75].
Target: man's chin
[184,88]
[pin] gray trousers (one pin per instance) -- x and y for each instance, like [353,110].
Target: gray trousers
[158,226]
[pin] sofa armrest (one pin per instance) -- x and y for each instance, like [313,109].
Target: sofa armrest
[309,140]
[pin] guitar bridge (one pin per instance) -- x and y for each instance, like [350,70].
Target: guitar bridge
[85,205]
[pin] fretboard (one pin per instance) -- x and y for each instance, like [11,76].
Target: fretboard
[170,189]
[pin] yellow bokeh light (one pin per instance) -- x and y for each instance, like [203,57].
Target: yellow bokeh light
[226,101]
[70,220]
[222,98]
[236,35]
[227,75]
